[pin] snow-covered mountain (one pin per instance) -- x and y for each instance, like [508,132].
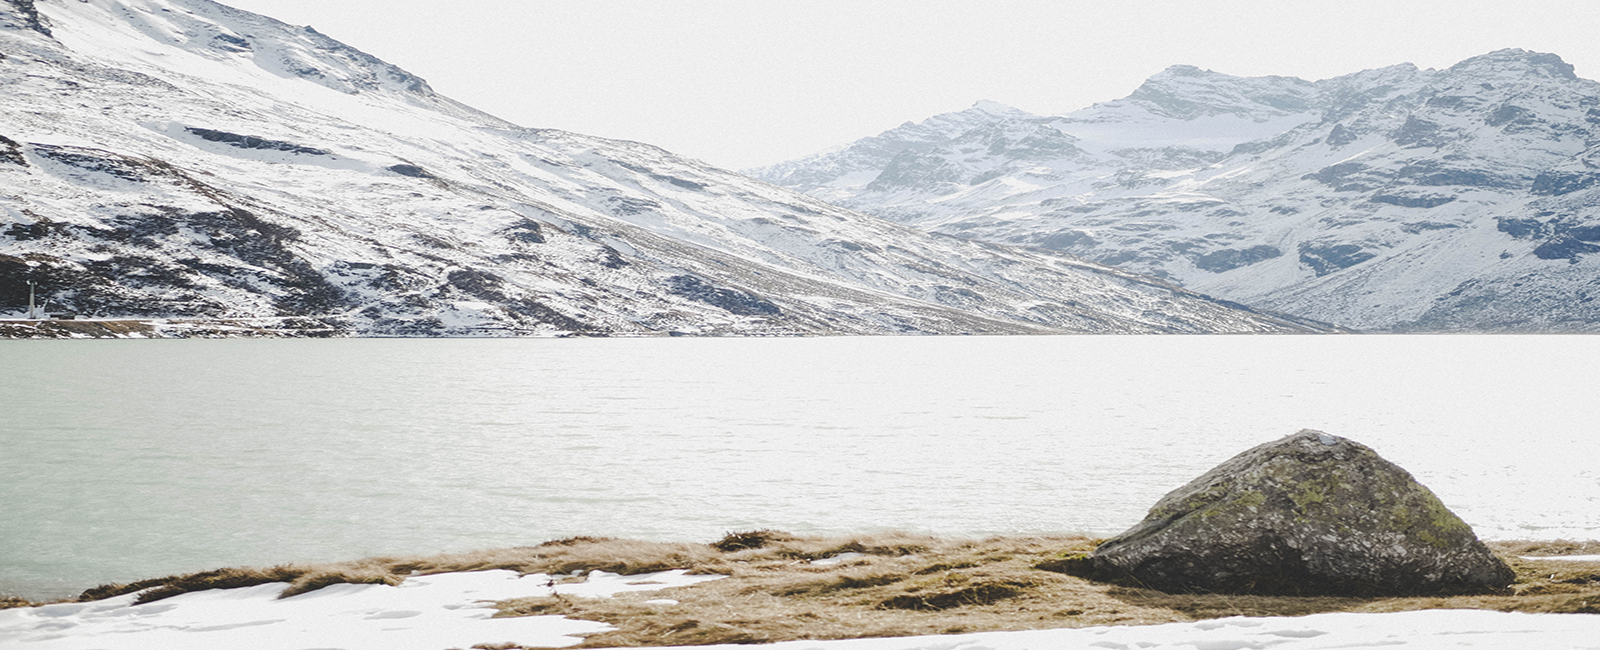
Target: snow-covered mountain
[184,158]
[1462,199]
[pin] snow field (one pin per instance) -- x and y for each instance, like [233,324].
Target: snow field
[450,610]
[453,610]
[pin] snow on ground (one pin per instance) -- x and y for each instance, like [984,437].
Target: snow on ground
[452,611]
[1422,629]
[449,610]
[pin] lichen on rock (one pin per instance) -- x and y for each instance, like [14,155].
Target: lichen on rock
[1309,514]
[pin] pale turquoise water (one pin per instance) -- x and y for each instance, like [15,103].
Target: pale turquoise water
[130,459]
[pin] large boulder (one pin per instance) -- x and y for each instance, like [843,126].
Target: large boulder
[1310,514]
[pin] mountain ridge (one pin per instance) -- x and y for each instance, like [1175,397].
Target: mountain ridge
[181,158]
[1395,199]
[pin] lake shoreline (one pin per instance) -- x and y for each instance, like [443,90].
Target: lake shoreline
[889,584]
[162,328]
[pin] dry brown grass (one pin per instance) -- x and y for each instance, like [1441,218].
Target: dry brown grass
[301,579]
[908,585]
[898,585]
[7,602]
[1557,547]
[565,556]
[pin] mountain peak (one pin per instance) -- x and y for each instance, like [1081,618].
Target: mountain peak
[1187,92]
[991,111]
[1517,62]
[994,108]
[1185,70]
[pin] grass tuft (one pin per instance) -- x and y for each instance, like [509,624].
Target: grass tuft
[750,540]
[359,575]
[162,588]
[959,593]
[219,579]
[839,583]
[8,602]
[576,541]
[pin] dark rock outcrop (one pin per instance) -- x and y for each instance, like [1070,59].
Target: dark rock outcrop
[30,16]
[1309,514]
[11,152]
[253,142]
[1228,259]
[733,300]
[1560,183]
[1328,258]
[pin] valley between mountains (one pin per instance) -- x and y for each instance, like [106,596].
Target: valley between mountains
[181,159]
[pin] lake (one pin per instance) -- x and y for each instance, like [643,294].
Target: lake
[122,460]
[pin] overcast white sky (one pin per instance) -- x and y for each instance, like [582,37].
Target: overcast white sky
[740,83]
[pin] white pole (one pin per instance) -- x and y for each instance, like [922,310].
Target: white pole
[32,266]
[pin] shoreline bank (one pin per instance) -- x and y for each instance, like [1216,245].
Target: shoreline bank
[780,587]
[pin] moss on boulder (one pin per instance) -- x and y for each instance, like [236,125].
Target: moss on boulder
[1309,514]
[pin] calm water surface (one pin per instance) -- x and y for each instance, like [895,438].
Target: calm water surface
[122,460]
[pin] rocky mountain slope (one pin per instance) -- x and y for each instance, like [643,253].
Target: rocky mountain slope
[1462,199]
[180,158]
